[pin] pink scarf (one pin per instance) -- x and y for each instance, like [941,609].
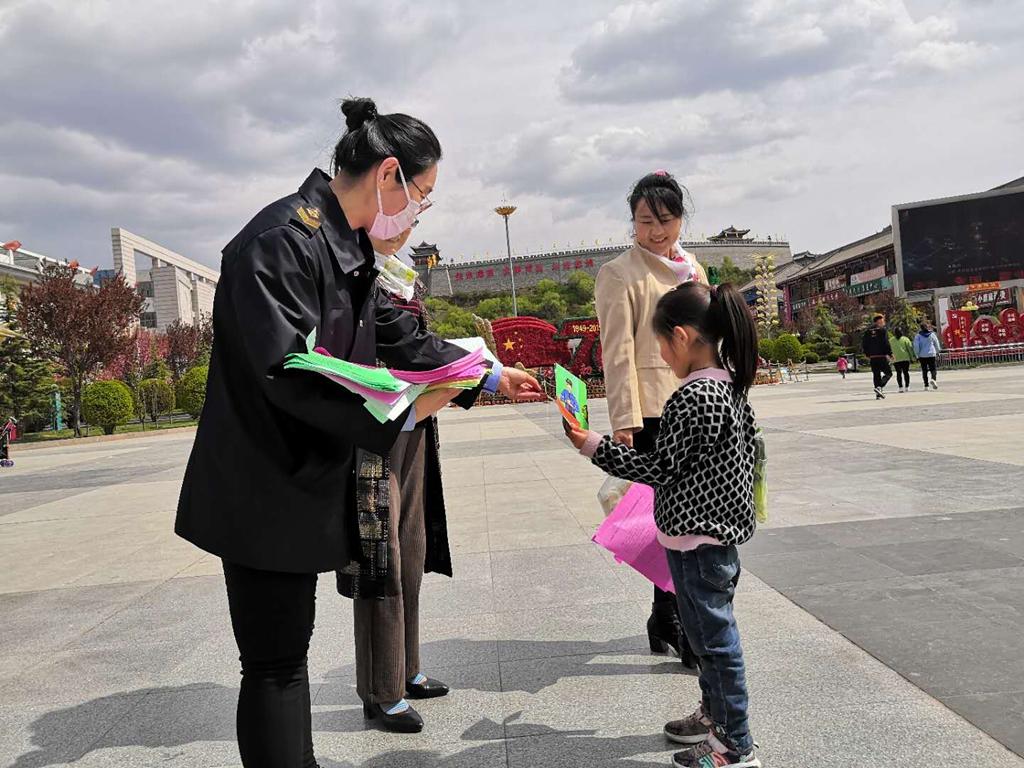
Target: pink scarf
[679,261]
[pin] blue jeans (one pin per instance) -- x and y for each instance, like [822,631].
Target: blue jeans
[705,580]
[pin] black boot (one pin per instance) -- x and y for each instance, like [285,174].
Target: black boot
[664,631]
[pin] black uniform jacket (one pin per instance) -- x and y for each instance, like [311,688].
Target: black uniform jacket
[876,342]
[270,482]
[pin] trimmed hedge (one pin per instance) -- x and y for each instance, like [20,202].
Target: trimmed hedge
[766,349]
[107,404]
[156,396]
[192,390]
[788,347]
[811,357]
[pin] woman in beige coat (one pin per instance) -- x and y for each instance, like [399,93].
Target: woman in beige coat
[637,379]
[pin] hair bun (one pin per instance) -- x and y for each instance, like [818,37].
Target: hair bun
[358,112]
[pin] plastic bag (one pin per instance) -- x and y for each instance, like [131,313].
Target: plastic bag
[395,276]
[611,492]
[760,478]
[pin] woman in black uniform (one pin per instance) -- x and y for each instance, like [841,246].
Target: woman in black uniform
[271,486]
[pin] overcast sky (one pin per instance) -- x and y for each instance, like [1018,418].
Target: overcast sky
[178,120]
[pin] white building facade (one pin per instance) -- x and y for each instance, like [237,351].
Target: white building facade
[173,287]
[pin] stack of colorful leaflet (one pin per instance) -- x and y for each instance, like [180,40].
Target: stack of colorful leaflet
[389,393]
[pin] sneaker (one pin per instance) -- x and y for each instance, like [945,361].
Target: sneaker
[878,394]
[901,390]
[934,385]
[705,756]
[693,729]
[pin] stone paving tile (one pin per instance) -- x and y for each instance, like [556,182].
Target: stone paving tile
[541,634]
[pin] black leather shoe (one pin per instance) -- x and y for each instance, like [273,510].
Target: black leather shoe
[404,722]
[428,689]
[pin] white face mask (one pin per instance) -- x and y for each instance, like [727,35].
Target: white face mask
[387,226]
[395,276]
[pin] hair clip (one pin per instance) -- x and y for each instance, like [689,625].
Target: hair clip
[661,172]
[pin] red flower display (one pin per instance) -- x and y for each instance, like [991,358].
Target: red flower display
[530,341]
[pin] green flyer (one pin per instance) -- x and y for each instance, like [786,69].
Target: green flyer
[571,394]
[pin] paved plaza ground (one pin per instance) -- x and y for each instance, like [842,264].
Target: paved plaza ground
[882,608]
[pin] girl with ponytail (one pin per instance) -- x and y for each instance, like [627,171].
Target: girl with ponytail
[702,472]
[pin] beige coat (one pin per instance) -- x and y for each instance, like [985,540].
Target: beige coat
[638,381]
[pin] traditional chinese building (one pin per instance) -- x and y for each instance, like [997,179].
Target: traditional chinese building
[861,269]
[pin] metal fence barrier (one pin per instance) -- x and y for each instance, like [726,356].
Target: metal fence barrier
[971,356]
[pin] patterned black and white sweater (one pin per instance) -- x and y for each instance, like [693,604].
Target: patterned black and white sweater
[702,469]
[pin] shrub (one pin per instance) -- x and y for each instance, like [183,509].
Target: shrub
[192,390]
[157,369]
[788,347]
[766,348]
[811,356]
[156,396]
[107,404]
[836,353]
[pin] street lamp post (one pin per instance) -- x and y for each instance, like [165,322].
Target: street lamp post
[505,210]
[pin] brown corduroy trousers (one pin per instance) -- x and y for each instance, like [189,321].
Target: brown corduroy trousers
[388,630]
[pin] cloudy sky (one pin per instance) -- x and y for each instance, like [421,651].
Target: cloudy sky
[179,119]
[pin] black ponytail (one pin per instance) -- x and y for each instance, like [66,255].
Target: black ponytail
[722,318]
[371,137]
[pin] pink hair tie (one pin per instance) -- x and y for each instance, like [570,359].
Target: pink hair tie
[661,172]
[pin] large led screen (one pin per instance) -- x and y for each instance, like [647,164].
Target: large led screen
[976,239]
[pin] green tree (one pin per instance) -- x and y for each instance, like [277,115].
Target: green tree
[899,313]
[26,375]
[191,394]
[156,397]
[766,349]
[546,302]
[107,404]
[729,272]
[849,314]
[495,307]
[788,347]
[824,334]
[449,321]
[579,294]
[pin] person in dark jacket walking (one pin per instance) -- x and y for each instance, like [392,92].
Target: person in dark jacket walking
[279,473]
[879,353]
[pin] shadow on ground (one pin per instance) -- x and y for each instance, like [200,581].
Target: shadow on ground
[210,715]
[176,716]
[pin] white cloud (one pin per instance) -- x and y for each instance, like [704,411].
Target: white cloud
[180,120]
[651,50]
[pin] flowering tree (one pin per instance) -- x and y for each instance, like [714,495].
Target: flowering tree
[82,328]
[766,308]
[188,345]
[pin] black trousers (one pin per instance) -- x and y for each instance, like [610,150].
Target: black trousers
[272,618]
[902,373]
[928,368]
[880,371]
[644,442]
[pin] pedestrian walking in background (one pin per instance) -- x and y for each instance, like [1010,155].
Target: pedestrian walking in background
[842,364]
[879,353]
[902,356]
[926,348]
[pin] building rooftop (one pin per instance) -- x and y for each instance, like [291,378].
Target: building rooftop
[807,263]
